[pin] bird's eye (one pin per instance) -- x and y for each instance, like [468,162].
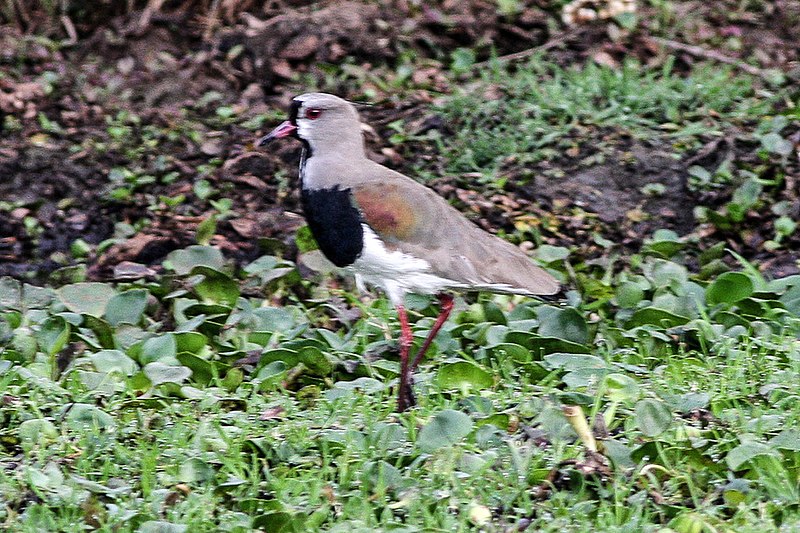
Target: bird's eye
[313,113]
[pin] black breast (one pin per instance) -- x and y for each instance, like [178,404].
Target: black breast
[335,223]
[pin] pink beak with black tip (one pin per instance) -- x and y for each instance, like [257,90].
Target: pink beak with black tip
[284,129]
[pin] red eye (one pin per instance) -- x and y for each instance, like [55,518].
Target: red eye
[313,113]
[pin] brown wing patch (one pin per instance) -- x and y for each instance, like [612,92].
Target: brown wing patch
[386,211]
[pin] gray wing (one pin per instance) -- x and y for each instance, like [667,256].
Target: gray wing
[413,219]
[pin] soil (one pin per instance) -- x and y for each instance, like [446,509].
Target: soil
[70,123]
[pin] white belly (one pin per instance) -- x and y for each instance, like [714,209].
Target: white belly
[396,272]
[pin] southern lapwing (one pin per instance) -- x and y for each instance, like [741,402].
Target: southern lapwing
[389,230]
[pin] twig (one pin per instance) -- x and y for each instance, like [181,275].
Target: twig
[152,7]
[69,27]
[699,51]
[523,54]
[705,151]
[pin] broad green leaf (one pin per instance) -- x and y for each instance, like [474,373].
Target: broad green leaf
[102,330]
[621,388]
[190,342]
[656,317]
[161,348]
[463,376]
[216,287]
[509,351]
[547,253]
[289,357]
[445,429]
[202,370]
[462,59]
[53,335]
[744,197]
[746,451]
[126,307]
[36,431]
[552,421]
[278,522]
[562,323]
[10,292]
[50,478]
[85,416]
[34,297]
[690,401]
[24,344]
[584,377]
[652,417]
[729,287]
[114,361]
[161,526]
[273,319]
[368,385]
[573,361]
[628,294]
[68,274]
[205,230]
[665,273]
[90,298]
[381,475]
[791,299]
[183,261]
[10,320]
[316,361]
[618,453]
[539,345]
[195,470]
[788,439]
[233,378]
[95,381]
[665,243]
[268,268]
[667,301]
[755,275]
[159,373]
[735,491]
[775,144]
[119,488]
[305,240]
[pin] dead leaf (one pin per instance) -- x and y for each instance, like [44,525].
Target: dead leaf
[273,413]
[300,47]
[245,227]
[128,270]
[601,57]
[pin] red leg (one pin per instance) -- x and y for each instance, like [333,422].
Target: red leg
[404,397]
[446,302]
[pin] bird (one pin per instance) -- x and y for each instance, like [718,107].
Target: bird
[391,231]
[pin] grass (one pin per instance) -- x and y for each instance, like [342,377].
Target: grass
[213,398]
[546,109]
[700,410]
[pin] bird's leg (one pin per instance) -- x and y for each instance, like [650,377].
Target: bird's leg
[446,302]
[405,397]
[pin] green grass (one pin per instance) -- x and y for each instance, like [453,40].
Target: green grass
[123,408]
[696,381]
[545,109]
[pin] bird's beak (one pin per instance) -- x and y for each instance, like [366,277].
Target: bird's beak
[284,129]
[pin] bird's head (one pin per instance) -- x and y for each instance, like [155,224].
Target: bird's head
[324,121]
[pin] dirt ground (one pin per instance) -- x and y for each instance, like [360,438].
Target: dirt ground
[149,91]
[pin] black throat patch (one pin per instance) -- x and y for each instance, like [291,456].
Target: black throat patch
[335,223]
